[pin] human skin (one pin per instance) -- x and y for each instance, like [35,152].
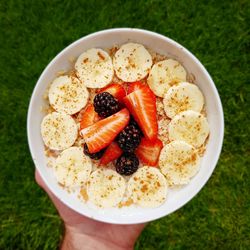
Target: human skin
[84,233]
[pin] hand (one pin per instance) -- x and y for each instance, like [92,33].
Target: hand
[84,233]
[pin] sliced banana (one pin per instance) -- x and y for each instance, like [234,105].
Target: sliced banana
[68,95]
[94,68]
[148,187]
[181,97]
[132,62]
[179,162]
[189,126]
[72,168]
[165,74]
[105,188]
[59,131]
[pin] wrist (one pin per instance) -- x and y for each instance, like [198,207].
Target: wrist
[74,240]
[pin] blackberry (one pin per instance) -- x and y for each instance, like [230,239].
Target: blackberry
[130,137]
[105,104]
[95,156]
[127,164]
[134,123]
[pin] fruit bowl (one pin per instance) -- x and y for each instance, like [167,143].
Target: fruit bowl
[162,45]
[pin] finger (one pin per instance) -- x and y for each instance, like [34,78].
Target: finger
[39,179]
[42,184]
[65,212]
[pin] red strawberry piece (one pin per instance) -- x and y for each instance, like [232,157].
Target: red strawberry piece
[102,133]
[149,151]
[142,105]
[88,116]
[112,153]
[116,90]
[133,86]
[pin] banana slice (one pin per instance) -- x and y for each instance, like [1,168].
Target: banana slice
[132,62]
[94,68]
[189,126]
[72,168]
[179,162]
[68,95]
[59,131]
[181,97]
[105,188]
[148,187]
[165,74]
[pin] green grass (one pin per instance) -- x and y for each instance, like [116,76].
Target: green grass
[217,32]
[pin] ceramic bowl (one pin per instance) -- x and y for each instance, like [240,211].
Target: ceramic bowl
[106,39]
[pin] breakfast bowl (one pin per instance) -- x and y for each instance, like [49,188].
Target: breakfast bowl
[176,197]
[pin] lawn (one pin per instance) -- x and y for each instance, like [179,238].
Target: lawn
[217,32]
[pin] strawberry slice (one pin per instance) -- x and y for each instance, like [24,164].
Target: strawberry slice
[133,86]
[142,105]
[149,151]
[102,133]
[88,116]
[116,90]
[111,153]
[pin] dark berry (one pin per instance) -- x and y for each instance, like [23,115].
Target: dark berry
[130,137]
[127,164]
[134,123]
[95,156]
[105,104]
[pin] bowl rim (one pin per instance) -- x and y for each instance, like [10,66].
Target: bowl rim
[174,43]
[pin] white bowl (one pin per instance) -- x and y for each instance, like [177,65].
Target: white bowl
[162,45]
